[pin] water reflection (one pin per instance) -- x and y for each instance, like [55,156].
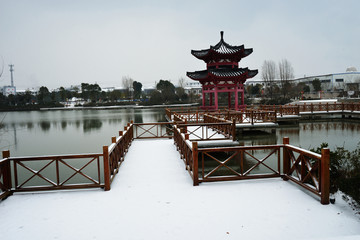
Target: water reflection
[91,124]
[38,133]
[63,124]
[45,125]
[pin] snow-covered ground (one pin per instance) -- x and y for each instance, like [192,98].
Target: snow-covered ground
[152,197]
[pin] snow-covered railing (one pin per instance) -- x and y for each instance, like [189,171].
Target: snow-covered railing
[207,131]
[115,153]
[225,127]
[55,172]
[246,116]
[280,109]
[312,107]
[152,130]
[308,169]
[68,171]
[188,154]
[5,176]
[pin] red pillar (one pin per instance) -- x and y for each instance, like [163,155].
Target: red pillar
[236,98]
[242,95]
[203,98]
[229,100]
[216,98]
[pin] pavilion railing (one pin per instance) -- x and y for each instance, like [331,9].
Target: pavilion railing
[307,169]
[114,155]
[39,173]
[67,171]
[153,130]
[225,127]
[207,131]
[312,107]
[188,154]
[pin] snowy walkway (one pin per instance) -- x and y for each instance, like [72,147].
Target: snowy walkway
[152,197]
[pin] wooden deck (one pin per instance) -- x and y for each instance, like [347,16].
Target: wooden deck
[204,164]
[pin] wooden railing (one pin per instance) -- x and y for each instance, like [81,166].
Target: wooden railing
[225,127]
[114,154]
[206,131]
[328,107]
[153,130]
[55,172]
[185,148]
[309,170]
[312,107]
[59,172]
[247,116]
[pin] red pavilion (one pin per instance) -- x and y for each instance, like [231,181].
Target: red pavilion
[222,74]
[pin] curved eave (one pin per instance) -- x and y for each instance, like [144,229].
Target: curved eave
[212,54]
[222,74]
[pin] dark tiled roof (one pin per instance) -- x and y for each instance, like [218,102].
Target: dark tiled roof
[222,50]
[222,73]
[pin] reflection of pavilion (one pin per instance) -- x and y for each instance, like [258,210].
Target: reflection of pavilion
[223,74]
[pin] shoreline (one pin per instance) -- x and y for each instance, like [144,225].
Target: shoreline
[120,107]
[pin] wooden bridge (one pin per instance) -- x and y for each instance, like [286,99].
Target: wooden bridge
[204,164]
[264,116]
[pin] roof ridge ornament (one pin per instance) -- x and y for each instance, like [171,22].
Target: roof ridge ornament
[222,35]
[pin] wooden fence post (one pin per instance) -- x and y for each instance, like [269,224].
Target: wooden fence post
[106,168]
[7,172]
[113,140]
[195,164]
[286,159]
[325,176]
[234,130]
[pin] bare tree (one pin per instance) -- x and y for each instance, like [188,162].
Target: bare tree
[2,67]
[181,82]
[180,90]
[268,75]
[286,73]
[127,83]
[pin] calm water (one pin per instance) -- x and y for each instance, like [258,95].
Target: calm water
[67,132]
[83,131]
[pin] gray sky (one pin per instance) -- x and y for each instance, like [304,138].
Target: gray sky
[67,42]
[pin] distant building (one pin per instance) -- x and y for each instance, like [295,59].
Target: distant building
[335,83]
[8,90]
[193,87]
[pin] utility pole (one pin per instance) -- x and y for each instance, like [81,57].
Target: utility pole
[11,72]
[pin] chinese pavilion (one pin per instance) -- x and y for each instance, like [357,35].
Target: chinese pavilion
[222,74]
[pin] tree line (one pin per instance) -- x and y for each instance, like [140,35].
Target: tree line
[279,87]
[92,94]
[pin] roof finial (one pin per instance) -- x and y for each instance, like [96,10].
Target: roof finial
[222,35]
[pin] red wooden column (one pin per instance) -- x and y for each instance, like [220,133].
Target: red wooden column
[203,97]
[325,176]
[242,94]
[229,100]
[236,98]
[216,98]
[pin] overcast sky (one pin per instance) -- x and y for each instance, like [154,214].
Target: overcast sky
[67,42]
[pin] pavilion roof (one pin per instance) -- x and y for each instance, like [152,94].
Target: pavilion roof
[222,50]
[222,74]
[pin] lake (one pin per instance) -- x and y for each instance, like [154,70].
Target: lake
[86,131]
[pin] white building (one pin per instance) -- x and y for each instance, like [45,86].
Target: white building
[348,81]
[8,90]
[193,87]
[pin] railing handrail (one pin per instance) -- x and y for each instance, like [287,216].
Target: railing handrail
[50,157]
